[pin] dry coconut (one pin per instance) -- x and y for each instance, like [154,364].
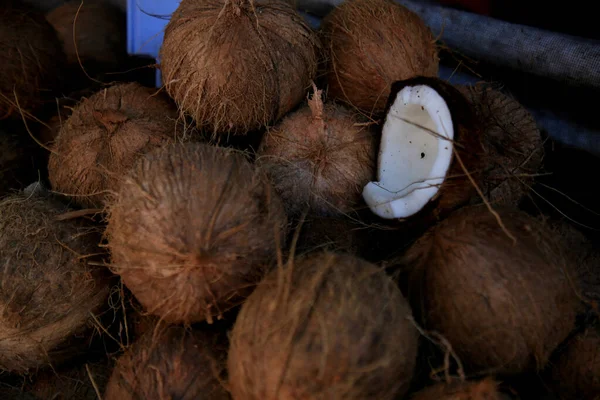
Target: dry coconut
[48,290]
[502,295]
[319,158]
[369,44]
[236,66]
[91,31]
[192,230]
[104,136]
[329,327]
[430,156]
[170,363]
[486,389]
[18,161]
[512,142]
[32,60]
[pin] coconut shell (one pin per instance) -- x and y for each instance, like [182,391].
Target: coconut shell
[192,229]
[32,60]
[329,327]
[504,306]
[48,290]
[104,136]
[486,389]
[319,158]
[173,363]
[18,161]
[236,66]
[512,142]
[369,44]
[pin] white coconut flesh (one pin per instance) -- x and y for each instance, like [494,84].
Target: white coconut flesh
[414,155]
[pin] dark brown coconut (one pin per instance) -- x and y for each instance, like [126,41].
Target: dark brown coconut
[512,142]
[236,66]
[369,44]
[486,389]
[320,157]
[503,305]
[32,60]
[192,229]
[18,161]
[329,327]
[173,363]
[104,136]
[48,291]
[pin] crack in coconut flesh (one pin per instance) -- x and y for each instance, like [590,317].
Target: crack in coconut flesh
[486,389]
[417,150]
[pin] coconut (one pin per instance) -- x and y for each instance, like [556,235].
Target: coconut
[501,294]
[512,142]
[48,289]
[104,136]
[369,44]
[329,327]
[32,60]
[192,229]
[319,158]
[170,363]
[430,156]
[486,389]
[236,66]
[18,161]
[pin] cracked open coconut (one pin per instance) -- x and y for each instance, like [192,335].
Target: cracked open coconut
[430,151]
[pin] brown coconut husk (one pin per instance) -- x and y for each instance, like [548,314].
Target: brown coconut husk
[486,389]
[513,146]
[320,157]
[18,161]
[501,295]
[337,234]
[171,363]
[267,57]
[192,230]
[32,60]
[369,44]
[104,136]
[48,289]
[329,327]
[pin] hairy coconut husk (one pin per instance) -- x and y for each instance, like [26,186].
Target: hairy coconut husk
[92,31]
[173,363]
[338,234]
[503,305]
[512,142]
[486,389]
[48,290]
[329,327]
[32,60]
[18,161]
[104,136]
[320,157]
[192,230]
[369,44]
[266,59]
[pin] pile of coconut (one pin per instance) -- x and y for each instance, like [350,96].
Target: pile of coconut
[297,214]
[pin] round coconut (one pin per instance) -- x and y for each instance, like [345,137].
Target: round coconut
[192,229]
[486,389]
[575,373]
[331,326]
[370,44]
[48,289]
[104,136]
[18,161]
[236,66]
[32,60]
[512,143]
[502,295]
[319,158]
[172,363]
[90,32]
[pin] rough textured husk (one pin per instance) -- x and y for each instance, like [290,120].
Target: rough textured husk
[31,59]
[192,230]
[17,161]
[503,306]
[320,157]
[338,234]
[267,58]
[486,389]
[173,363]
[99,31]
[104,136]
[47,290]
[575,373]
[369,44]
[330,327]
[513,145]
